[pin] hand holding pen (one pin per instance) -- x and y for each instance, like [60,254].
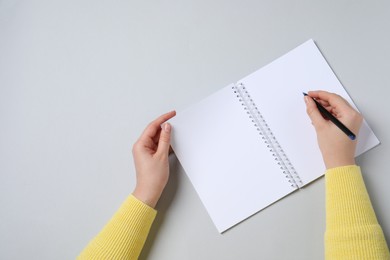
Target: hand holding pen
[335,144]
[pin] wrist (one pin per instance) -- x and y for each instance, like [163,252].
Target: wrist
[147,196]
[338,162]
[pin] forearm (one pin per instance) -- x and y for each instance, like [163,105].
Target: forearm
[124,235]
[352,229]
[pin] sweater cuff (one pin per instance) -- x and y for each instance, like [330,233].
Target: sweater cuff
[347,200]
[124,235]
[140,206]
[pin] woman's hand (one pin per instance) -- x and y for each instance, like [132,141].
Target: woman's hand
[336,148]
[150,154]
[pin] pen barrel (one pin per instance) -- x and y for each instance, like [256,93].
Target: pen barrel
[334,120]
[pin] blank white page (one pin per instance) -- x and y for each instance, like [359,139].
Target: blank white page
[226,160]
[277,91]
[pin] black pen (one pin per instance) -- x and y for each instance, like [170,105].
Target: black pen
[327,114]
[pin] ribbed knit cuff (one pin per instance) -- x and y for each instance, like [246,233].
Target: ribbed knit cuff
[124,235]
[347,200]
[352,230]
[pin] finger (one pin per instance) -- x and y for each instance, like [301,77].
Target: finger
[332,99]
[165,139]
[144,145]
[156,137]
[152,129]
[323,103]
[313,112]
[338,103]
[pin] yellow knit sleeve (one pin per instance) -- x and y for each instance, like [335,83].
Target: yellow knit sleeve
[124,235]
[352,230]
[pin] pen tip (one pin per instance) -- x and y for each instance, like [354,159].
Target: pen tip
[305,94]
[352,137]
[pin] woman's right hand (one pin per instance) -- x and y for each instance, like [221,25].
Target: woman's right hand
[336,148]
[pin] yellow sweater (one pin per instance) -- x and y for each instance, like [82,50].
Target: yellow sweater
[124,235]
[352,230]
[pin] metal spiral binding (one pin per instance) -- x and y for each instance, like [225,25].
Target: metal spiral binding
[267,135]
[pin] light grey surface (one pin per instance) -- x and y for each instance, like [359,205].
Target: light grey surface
[79,80]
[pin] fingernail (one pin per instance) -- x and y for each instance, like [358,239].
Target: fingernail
[167,127]
[306,99]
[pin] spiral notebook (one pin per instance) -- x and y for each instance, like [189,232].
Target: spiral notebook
[251,143]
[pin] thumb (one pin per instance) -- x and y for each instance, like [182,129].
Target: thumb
[313,112]
[164,141]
